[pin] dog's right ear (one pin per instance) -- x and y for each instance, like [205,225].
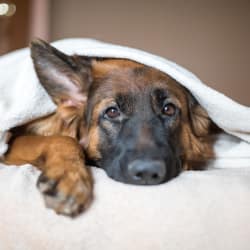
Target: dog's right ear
[200,121]
[66,78]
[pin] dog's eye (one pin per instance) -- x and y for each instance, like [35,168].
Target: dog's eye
[169,109]
[112,112]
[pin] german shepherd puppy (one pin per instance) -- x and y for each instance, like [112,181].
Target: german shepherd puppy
[134,121]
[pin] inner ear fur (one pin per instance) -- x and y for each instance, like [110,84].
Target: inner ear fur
[65,78]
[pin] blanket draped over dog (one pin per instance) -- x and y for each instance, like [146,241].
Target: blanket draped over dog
[198,210]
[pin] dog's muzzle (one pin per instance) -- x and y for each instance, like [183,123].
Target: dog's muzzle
[146,172]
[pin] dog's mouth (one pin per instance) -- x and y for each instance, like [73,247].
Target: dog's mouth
[141,171]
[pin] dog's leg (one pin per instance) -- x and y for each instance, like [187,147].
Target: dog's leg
[65,182]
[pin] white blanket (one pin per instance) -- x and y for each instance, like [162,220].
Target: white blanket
[198,210]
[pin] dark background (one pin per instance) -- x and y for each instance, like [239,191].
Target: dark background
[210,38]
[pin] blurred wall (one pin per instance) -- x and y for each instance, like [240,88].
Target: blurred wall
[211,38]
[14,27]
[21,21]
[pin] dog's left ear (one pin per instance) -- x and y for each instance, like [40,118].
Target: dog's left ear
[200,121]
[66,78]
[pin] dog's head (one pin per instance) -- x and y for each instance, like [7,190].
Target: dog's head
[135,122]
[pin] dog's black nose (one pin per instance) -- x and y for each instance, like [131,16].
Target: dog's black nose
[148,172]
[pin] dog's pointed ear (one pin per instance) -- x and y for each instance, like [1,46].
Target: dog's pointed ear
[200,121]
[65,78]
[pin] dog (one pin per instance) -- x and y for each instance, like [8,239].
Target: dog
[135,122]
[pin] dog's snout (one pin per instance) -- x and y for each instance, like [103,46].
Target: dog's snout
[149,172]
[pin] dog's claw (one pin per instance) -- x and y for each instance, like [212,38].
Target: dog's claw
[69,194]
[46,185]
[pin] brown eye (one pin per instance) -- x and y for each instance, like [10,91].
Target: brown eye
[169,109]
[112,112]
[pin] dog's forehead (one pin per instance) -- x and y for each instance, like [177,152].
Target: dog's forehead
[122,76]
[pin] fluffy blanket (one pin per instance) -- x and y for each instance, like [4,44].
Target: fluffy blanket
[198,210]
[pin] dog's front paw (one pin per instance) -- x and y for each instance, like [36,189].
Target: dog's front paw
[68,194]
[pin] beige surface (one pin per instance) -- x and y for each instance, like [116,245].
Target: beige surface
[190,212]
[211,38]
